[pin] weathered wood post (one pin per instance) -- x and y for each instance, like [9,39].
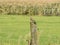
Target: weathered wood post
[33,29]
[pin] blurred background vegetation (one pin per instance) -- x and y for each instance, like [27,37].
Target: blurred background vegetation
[16,8]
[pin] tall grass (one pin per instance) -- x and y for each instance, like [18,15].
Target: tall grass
[23,8]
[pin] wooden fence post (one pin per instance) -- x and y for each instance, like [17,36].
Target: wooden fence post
[33,29]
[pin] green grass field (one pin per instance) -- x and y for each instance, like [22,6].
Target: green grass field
[51,30]
[13,29]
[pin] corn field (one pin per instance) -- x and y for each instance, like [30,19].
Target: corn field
[16,8]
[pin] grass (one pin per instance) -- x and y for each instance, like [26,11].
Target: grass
[51,29]
[13,29]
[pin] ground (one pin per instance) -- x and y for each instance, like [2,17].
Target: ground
[14,29]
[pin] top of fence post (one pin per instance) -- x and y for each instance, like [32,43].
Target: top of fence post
[32,20]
